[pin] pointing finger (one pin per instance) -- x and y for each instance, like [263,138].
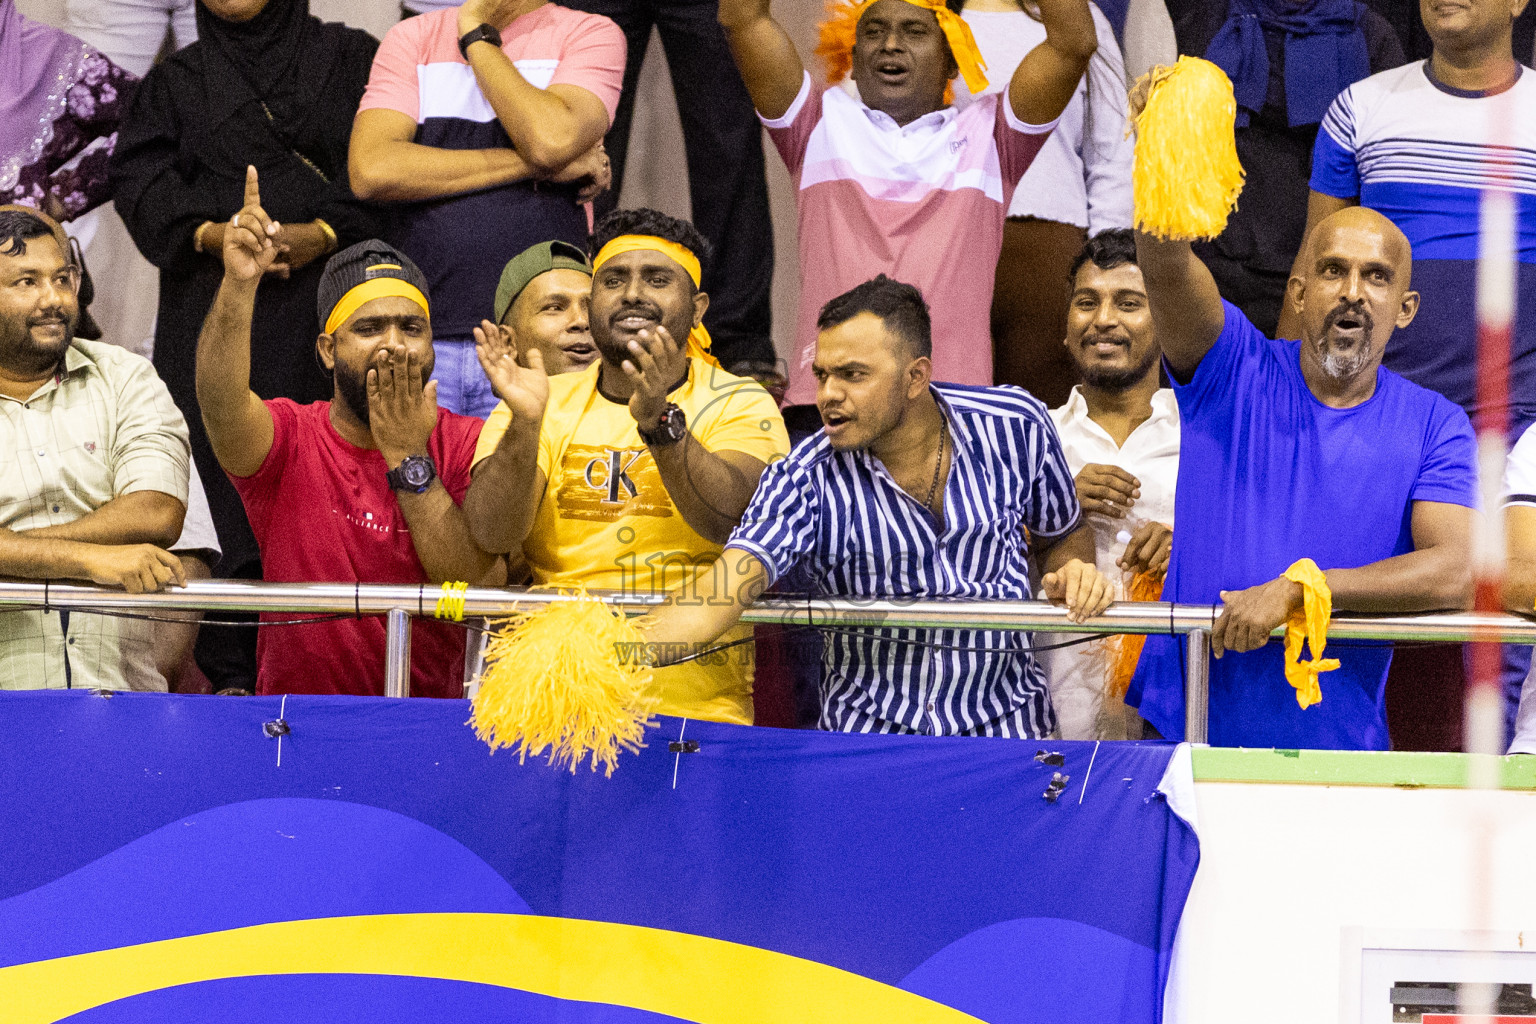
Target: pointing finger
[252,186]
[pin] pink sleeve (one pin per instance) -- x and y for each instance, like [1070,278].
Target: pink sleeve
[392,84]
[791,133]
[1017,142]
[593,58]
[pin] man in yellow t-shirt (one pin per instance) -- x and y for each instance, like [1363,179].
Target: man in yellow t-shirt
[631,474]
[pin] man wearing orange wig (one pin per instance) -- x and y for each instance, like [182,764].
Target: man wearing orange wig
[898,181]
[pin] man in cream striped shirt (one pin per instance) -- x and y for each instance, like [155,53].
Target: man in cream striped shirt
[93,473]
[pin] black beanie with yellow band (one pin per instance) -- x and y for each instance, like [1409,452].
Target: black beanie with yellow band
[368,270]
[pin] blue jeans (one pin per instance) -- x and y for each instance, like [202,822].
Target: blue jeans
[462,386]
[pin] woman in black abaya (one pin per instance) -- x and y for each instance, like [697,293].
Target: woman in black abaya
[266,84]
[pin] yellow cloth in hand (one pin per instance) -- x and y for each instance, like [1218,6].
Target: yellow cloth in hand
[838,32]
[1310,623]
[1186,177]
[569,678]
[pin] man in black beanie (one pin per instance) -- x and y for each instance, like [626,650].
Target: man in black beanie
[365,487]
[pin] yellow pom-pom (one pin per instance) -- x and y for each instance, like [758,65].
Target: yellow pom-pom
[565,679]
[1187,176]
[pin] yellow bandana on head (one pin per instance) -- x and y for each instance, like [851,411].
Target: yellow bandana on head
[1310,623]
[378,288]
[840,30]
[698,341]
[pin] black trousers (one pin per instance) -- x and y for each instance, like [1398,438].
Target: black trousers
[724,143]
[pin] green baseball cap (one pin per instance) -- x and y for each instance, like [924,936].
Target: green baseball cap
[529,264]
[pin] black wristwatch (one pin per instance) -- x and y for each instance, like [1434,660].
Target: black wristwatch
[415,474]
[670,429]
[476,34]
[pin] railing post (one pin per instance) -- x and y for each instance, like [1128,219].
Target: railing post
[1197,686]
[397,653]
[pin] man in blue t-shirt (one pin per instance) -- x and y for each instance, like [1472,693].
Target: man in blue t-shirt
[1420,144]
[1308,450]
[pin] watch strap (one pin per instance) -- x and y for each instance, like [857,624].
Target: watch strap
[672,427]
[479,32]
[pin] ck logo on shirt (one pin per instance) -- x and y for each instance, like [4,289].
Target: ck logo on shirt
[601,484]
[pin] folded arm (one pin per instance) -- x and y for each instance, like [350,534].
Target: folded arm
[143,517]
[386,164]
[548,127]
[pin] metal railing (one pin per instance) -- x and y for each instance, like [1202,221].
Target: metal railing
[399,602]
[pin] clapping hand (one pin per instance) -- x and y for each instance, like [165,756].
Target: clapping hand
[524,386]
[656,363]
[250,246]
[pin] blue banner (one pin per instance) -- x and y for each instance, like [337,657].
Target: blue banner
[168,859]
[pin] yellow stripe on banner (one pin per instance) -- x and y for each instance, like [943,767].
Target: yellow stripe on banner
[691,977]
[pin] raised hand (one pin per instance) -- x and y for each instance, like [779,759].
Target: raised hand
[656,363]
[1136,96]
[402,406]
[524,386]
[250,245]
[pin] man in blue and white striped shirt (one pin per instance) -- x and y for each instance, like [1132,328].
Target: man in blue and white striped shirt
[911,490]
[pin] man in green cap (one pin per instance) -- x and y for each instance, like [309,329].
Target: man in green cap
[543,298]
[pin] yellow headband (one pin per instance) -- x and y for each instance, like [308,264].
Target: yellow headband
[378,288]
[698,338]
[840,29]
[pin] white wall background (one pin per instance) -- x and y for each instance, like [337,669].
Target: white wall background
[1287,872]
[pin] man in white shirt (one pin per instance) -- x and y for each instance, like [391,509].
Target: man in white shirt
[1120,432]
[1520,574]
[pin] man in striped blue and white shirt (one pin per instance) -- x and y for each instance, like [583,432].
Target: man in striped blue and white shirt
[911,490]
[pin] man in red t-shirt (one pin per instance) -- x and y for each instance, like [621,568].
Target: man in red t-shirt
[364,487]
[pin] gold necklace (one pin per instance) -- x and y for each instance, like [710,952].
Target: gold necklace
[937,466]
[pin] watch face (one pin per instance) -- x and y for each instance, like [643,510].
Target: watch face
[672,422]
[416,472]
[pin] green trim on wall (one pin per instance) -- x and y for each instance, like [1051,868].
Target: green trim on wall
[1352,768]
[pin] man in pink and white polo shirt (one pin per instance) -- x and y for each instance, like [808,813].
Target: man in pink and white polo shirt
[899,181]
[482,127]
